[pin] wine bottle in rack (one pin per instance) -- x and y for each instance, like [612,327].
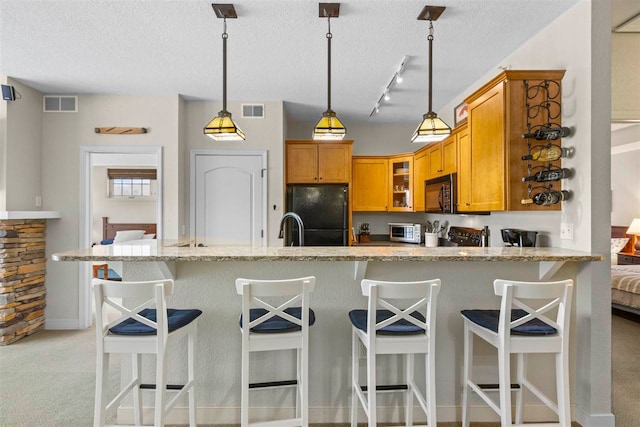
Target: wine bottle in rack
[546,154]
[546,133]
[547,198]
[549,175]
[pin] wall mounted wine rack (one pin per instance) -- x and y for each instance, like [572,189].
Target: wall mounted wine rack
[543,149]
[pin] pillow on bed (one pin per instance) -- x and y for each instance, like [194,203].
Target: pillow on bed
[148,236]
[125,236]
[616,246]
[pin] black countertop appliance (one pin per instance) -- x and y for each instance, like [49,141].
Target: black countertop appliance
[323,209]
[516,237]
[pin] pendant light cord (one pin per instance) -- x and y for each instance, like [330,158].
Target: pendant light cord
[225,36]
[329,36]
[430,38]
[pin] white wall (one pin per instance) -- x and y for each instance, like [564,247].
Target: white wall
[625,173]
[183,165]
[3,149]
[23,148]
[266,133]
[625,184]
[63,134]
[118,210]
[625,87]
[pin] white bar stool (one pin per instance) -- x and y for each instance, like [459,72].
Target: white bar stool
[285,327]
[521,330]
[148,328]
[407,331]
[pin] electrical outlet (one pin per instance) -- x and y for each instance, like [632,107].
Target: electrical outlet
[38,201]
[566,231]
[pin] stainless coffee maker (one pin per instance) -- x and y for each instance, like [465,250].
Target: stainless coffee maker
[521,238]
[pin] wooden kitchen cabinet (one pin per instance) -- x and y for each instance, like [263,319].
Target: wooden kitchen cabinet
[383,183]
[370,184]
[443,157]
[401,183]
[490,165]
[420,174]
[311,162]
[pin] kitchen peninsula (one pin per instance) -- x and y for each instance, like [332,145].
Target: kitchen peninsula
[205,280]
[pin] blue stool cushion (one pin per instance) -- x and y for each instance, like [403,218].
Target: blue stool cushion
[400,327]
[489,319]
[111,275]
[276,323]
[176,319]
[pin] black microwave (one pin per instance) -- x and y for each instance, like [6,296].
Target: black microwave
[440,194]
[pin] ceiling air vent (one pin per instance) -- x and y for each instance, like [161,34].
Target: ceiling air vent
[60,104]
[255,111]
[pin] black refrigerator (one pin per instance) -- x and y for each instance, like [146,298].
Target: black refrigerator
[324,212]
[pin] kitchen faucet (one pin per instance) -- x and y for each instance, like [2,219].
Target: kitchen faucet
[297,218]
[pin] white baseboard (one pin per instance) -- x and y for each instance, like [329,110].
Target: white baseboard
[58,324]
[595,420]
[341,414]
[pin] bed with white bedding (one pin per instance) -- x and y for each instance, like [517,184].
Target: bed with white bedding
[625,279]
[625,287]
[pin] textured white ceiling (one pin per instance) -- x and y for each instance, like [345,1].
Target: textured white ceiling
[277,50]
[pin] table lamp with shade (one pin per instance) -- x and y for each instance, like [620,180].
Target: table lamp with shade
[634,230]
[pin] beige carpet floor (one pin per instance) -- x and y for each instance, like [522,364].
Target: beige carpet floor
[47,380]
[625,347]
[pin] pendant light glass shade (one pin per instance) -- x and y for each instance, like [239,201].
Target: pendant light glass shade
[329,128]
[222,127]
[432,129]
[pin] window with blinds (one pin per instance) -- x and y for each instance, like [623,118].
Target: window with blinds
[132,183]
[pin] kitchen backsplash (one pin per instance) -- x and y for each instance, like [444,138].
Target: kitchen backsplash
[546,223]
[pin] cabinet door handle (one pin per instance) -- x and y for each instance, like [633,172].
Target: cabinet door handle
[320,178]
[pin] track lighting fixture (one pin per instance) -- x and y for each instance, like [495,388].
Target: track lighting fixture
[386,95]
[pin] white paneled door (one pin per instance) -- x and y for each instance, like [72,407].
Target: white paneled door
[228,197]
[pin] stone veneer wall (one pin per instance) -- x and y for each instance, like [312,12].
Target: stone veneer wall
[22,278]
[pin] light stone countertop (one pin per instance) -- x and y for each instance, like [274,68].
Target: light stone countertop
[171,251]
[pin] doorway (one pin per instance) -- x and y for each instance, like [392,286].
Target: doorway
[90,156]
[228,197]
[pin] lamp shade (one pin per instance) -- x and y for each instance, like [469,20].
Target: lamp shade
[432,129]
[223,128]
[329,128]
[634,228]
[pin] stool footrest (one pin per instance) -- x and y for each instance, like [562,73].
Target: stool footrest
[169,386]
[273,384]
[497,386]
[386,387]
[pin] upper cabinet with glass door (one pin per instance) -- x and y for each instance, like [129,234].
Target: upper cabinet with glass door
[401,183]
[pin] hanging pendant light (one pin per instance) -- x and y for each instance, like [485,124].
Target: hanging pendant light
[431,129]
[222,127]
[329,127]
